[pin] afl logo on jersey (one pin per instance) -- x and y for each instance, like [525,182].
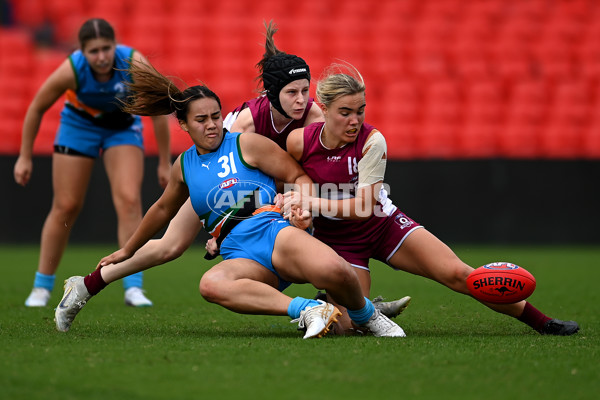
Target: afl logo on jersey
[231,195]
[228,183]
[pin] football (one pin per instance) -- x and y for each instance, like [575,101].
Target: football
[501,283]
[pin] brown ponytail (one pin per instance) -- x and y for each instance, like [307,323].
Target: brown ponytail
[154,94]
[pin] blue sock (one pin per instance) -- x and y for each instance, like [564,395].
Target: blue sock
[298,304]
[362,316]
[44,281]
[134,280]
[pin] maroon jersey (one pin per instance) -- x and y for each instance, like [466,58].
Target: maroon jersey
[260,108]
[336,173]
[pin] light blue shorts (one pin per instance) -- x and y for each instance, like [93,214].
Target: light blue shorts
[254,238]
[81,135]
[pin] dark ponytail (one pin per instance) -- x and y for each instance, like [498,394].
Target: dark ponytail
[154,94]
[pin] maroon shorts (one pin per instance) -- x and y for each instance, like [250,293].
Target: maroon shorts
[380,243]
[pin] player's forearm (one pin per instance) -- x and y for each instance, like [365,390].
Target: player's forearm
[354,208]
[155,219]
[31,126]
[163,138]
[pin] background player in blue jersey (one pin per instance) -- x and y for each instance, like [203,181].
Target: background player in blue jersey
[92,80]
[263,252]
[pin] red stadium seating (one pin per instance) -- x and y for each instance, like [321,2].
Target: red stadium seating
[445,78]
[478,140]
[402,99]
[30,13]
[437,140]
[528,102]
[554,59]
[590,141]
[484,102]
[587,58]
[519,140]
[511,60]
[443,102]
[561,140]
[16,51]
[401,138]
[571,103]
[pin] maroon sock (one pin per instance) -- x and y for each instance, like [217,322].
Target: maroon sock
[94,282]
[533,317]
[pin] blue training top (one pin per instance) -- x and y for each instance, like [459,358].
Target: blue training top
[95,101]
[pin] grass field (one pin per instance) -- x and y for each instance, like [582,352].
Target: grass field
[186,348]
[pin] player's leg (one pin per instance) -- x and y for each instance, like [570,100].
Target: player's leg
[299,257]
[247,287]
[78,290]
[70,179]
[344,325]
[124,166]
[423,254]
[244,286]
[125,170]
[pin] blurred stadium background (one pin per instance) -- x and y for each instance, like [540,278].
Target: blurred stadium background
[490,107]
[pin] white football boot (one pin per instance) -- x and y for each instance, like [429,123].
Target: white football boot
[381,326]
[75,297]
[38,297]
[134,297]
[391,309]
[317,319]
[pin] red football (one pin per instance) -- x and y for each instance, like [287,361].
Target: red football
[501,283]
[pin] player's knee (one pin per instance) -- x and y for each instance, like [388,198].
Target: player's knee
[66,208]
[210,286]
[337,271]
[128,205]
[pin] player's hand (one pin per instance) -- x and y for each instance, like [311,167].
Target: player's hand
[22,171]
[114,258]
[293,200]
[300,218]
[211,247]
[164,173]
[278,201]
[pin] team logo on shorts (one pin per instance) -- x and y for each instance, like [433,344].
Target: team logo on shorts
[403,221]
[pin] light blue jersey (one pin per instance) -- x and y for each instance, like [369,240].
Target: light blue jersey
[224,190]
[221,183]
[91,119]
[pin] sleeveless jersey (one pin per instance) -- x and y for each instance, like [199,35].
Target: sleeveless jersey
[336,173]
[260,108]
[98,101]
[221,183]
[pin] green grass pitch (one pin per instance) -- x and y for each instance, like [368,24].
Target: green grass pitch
[186,348]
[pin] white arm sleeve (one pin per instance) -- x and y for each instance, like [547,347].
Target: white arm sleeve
[371,168]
